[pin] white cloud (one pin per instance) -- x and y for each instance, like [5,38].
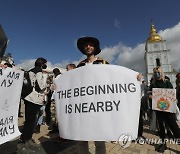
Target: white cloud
[172,37]
[110,53]
[29,63]
[132,58]
[117,24]
[26,64]
[120,54]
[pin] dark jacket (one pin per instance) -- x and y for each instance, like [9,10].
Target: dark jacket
[98,61]
[162,84]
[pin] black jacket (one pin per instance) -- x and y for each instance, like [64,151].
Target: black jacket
[98,61]
[162,84]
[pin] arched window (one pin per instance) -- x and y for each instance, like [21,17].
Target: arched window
[158,62]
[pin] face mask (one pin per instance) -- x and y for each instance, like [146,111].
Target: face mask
[157,75]
[44,66]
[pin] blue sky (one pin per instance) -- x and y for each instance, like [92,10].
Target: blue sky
[50,28]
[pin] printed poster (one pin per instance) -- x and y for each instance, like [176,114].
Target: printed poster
[10,89]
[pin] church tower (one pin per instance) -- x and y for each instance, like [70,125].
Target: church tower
[157,54]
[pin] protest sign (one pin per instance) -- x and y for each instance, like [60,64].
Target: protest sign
[10,90]
[164,100]
[98,102]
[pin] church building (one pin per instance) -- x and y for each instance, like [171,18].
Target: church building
[157,54]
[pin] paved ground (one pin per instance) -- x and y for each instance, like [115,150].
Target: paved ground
[48,145]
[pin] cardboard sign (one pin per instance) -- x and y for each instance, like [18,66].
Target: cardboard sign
[164,100]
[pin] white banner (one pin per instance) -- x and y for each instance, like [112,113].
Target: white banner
[98,102]
[164,100]
[10,90]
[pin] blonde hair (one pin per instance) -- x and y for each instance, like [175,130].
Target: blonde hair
[160,70]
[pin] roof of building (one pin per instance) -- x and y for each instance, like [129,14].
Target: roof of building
[153,36]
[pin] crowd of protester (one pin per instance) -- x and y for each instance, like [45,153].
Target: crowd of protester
[38,110]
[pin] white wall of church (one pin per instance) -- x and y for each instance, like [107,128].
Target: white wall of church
[154,51]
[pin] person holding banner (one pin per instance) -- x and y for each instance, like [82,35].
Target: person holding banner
[178,89]
[33,102]
[89,46]
[168,118]
[54,126]
[143,110]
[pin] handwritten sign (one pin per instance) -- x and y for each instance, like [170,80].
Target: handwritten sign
[164,100]
[98,102]
[10,90]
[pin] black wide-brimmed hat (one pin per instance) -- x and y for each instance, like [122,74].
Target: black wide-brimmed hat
[82,41]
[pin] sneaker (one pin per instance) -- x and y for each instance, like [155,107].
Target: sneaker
[28,147]
[31,144]
[161,148]
[20,145]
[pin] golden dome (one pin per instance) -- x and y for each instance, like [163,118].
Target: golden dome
[153,36]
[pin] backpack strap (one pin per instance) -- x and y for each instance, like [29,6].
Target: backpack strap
[102,60]
[82,63]
[34,82]
[98,61]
